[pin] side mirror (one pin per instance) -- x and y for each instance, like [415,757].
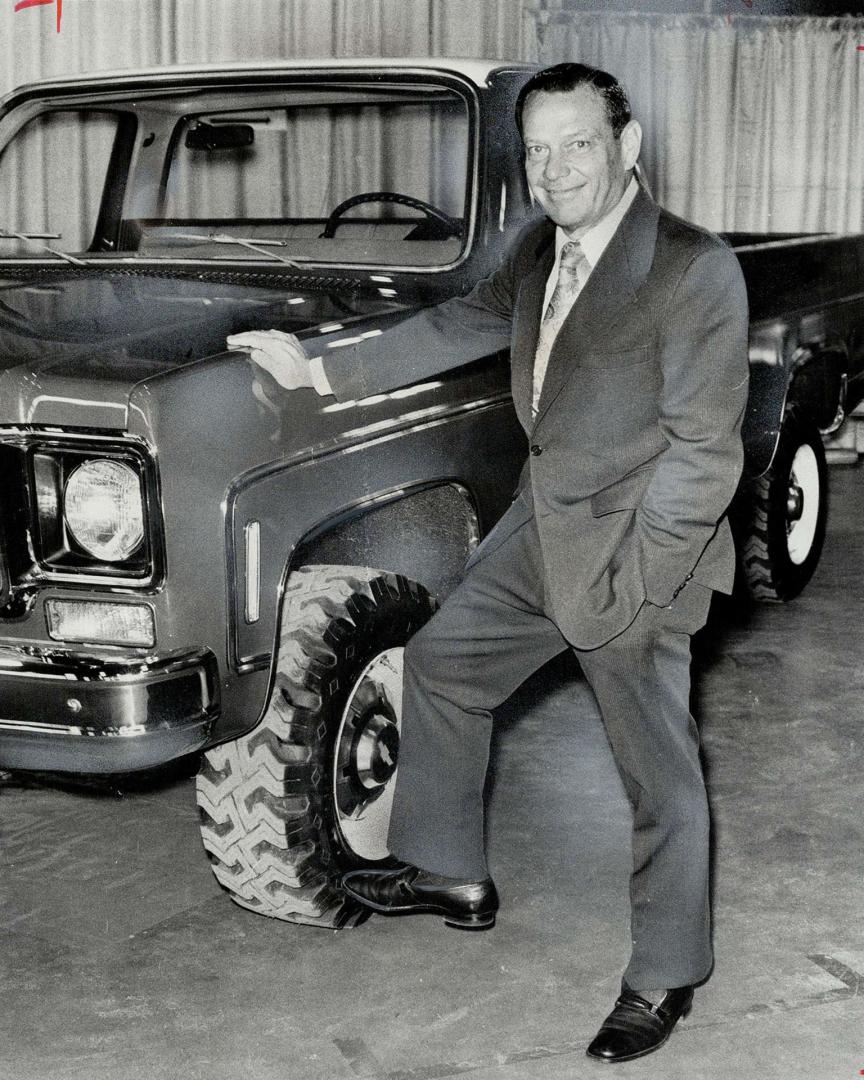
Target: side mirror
[219,137]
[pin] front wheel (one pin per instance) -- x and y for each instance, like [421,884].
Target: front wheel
[782,525]
[306,795]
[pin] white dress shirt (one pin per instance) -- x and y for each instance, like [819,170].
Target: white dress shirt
[595,241]
[593,244]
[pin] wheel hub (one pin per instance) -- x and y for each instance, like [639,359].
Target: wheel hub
[377,747]
[794,503]
[366,756]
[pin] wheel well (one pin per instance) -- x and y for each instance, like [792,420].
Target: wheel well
[818,387]
[425,533]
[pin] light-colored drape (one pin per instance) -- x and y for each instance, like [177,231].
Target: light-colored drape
[751,123]
[100,35]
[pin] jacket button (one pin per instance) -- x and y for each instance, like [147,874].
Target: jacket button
[536,450]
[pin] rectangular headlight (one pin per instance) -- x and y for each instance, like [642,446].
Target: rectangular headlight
[96,510]
[100,623]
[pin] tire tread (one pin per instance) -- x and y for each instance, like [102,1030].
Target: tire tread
[766,569]
[261,797]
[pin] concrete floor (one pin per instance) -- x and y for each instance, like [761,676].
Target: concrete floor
[123,960]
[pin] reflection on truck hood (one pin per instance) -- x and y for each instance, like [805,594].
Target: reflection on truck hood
[72,349]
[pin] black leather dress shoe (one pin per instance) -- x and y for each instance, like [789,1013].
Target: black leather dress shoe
[636,1027]
[409,891]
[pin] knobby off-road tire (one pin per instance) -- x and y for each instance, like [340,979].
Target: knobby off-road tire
[784,514]
[305,796]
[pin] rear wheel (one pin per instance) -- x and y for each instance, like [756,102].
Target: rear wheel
[785,513]
[306,795]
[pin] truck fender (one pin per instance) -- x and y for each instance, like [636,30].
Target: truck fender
[783,369]
[425,531]
[818,385]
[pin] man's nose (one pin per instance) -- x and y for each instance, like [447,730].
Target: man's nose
[556,166]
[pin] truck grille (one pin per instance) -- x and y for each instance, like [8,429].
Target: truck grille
[4,573]
[11,513]
[5,583]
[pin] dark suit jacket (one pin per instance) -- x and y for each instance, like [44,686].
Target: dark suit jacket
[636,444]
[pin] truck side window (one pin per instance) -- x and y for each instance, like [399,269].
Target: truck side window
[52,176]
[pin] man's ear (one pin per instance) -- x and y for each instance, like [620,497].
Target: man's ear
[631,143]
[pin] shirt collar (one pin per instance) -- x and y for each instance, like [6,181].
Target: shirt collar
[594,242]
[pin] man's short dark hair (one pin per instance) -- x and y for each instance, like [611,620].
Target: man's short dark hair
[563,77]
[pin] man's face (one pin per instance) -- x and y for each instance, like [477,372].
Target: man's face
[577,170]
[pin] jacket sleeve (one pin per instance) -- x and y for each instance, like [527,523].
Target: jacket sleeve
[703,397]
[435,340]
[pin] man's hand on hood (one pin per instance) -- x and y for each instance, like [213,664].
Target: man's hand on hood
[282,356]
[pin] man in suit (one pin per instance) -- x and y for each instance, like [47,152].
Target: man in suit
[627,329]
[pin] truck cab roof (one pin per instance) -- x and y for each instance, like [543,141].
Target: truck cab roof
[476,71]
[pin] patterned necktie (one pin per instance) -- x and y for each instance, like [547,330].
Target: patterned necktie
[573,271]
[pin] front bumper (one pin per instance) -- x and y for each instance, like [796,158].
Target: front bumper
[66,712]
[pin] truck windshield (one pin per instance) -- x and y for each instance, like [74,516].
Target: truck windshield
[369,177]
[371,173]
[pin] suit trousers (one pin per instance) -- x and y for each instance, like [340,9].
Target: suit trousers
[491,633]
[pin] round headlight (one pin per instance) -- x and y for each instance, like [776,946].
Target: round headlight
[104,509]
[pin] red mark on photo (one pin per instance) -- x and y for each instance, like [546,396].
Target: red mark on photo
[40,3]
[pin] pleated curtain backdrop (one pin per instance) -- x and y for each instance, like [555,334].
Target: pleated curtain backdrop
[107,34]
[751,123]
[42,191]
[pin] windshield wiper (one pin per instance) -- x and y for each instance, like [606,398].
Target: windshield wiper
[10,234]
[256,244]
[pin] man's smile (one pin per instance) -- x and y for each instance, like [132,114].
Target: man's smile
[557,193]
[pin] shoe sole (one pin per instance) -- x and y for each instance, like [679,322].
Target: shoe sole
[470,922]
[642,1053]
[456,922]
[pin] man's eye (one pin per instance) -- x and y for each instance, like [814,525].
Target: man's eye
[535,151]
[579,145]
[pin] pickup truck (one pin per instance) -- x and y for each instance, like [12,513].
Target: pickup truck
[195,562]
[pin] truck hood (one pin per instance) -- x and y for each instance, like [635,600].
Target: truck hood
[71,350]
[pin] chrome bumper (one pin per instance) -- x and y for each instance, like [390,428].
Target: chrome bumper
[67,712]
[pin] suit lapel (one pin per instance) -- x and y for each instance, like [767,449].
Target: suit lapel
[528,312]
[608,297]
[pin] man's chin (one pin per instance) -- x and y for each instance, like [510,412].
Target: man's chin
[568,217]
[568,223]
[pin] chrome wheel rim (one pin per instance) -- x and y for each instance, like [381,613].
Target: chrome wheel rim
[802,504]
[365,757]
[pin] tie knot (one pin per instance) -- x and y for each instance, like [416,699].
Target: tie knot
[572,254]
